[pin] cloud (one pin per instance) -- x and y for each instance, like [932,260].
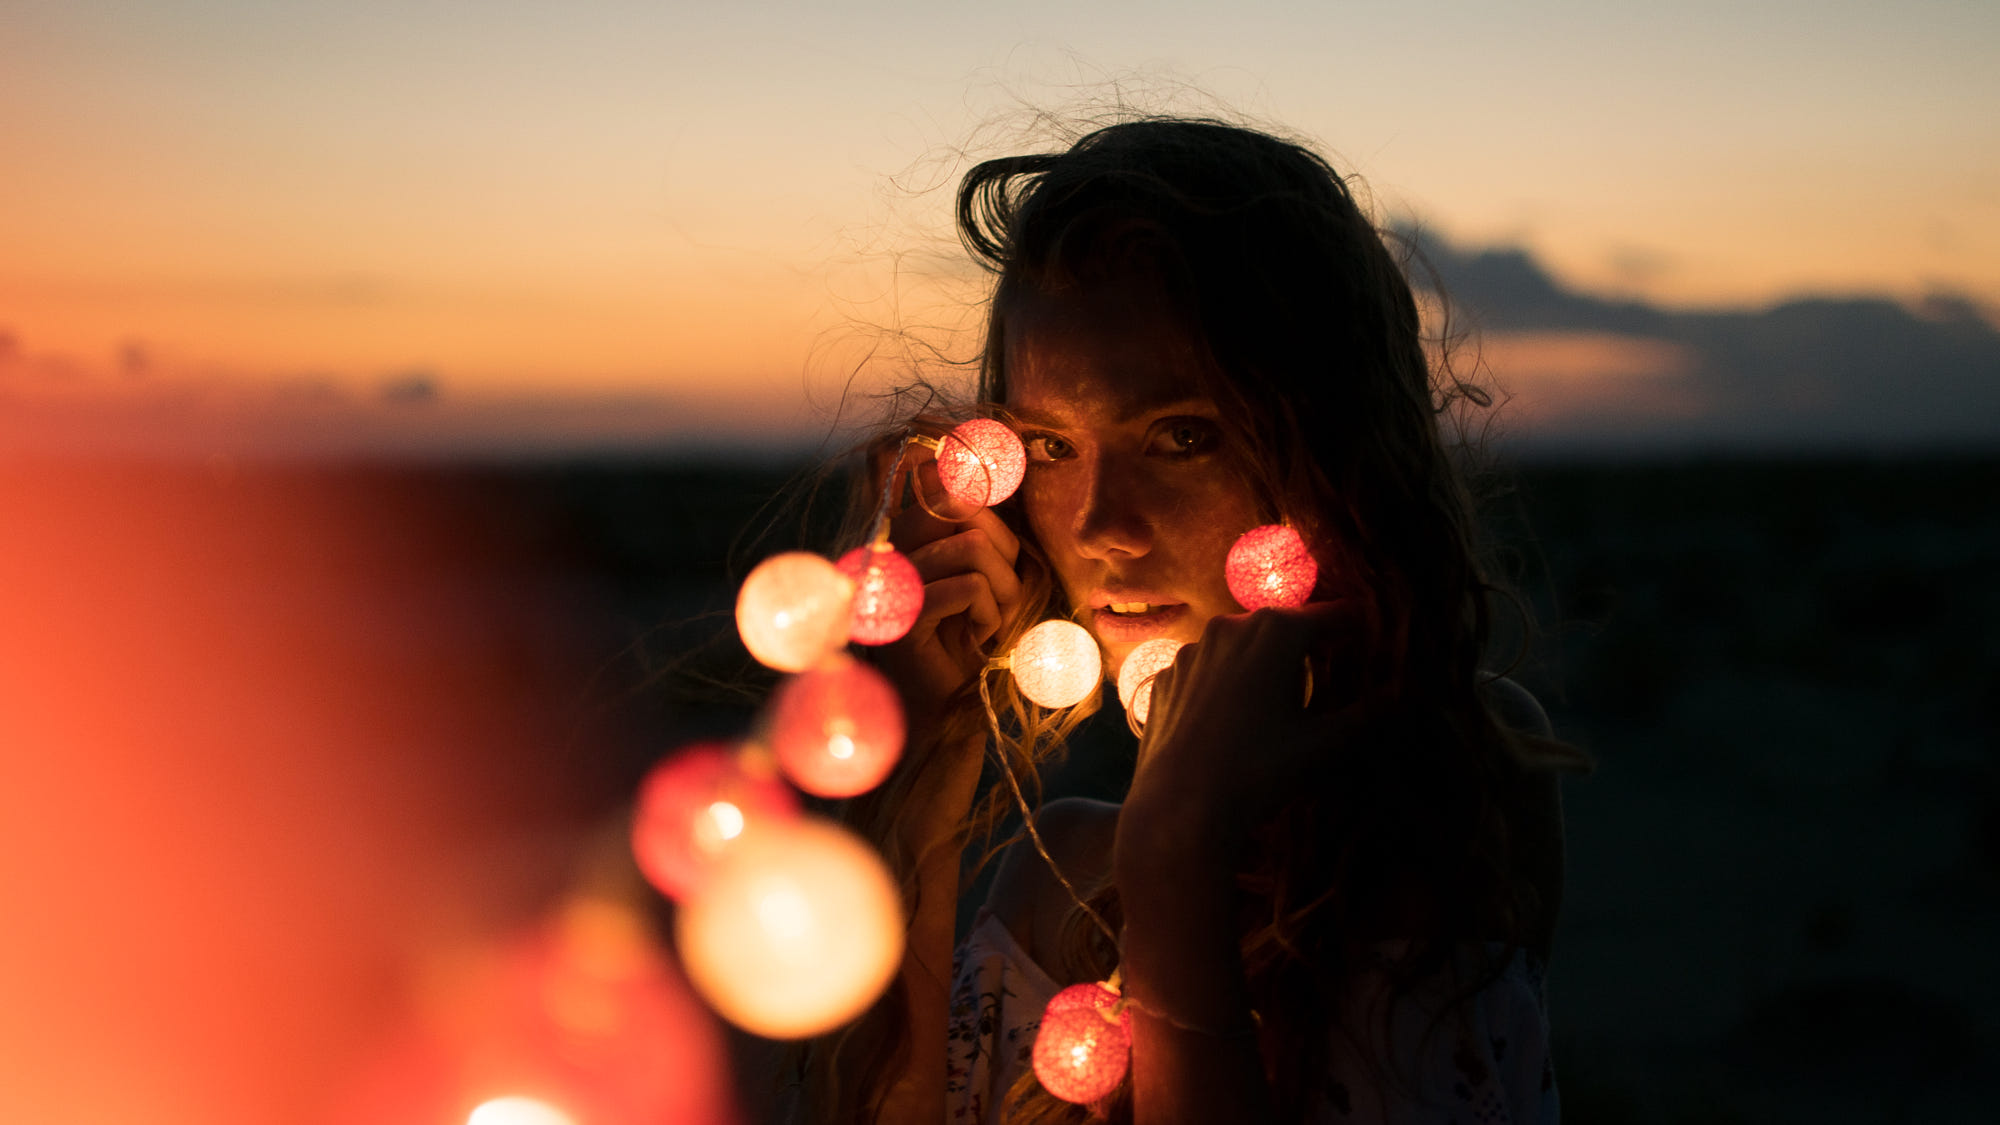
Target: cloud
[412,388]
[1811,373]
[1589,383]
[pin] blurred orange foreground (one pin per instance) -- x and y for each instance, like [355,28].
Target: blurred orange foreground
[274,839]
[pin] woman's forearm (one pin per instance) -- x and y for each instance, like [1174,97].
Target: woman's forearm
[1195,1050]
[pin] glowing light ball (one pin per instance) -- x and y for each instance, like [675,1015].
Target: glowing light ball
[1083,1047]
[888,593]
[518,1111]
[1270,566]
[696,807]
[796,932]
[981,462]
[581,1017]
[837,730]
[1056,663]
[1135,683]
[793,610]
[1098,997]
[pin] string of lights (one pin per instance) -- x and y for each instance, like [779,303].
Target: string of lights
[789,925]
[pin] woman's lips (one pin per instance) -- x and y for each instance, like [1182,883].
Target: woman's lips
[1119,627]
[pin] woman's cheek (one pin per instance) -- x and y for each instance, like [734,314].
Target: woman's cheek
[1045,511]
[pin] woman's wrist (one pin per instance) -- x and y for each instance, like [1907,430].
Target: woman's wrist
[1240,1025]
[1158,832]
[1196,1044]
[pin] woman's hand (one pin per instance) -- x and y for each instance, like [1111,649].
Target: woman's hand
[966,562]
[1231,733]
[970,593]
[1230,736]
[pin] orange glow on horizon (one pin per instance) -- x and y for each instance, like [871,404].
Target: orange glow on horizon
[644,335]
[1552,378]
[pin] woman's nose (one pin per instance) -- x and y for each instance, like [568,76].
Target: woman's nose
[1110,519]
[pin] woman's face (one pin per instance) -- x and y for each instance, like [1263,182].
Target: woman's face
[1130,490]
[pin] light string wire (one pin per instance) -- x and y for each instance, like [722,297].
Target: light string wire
[878,534]
[879,537]
[1027,815]
[1116,981]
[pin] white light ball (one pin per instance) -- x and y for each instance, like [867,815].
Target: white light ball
[794,610]
[1056,663]
[794,933]
[1135,677]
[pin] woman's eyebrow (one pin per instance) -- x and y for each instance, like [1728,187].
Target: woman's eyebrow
[1132,412]
[1186,404]
[1033,417]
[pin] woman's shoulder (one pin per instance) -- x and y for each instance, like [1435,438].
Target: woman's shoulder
[1516,707]
[1026,897]
[1532,804]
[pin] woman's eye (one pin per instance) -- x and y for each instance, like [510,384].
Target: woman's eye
[1185,437]
[1046,447]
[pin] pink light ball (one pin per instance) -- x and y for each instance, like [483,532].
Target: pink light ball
[1056,663]
[981,462]
[888,594]
[1270,566]
[837,730]
[696,807]
[1135,677]
[794,610]
[1098,997]
[1083,1048]
[796,933]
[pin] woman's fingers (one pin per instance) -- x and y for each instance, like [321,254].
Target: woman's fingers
[914,527]
[965,556]
[943,648]
[1260,661]
[968,596]
[968,593]
[976,550]
[1005,543]
[1242,687]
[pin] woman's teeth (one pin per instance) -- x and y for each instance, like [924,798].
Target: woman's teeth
[1129,608]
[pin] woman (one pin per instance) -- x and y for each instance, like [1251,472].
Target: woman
[1326,911]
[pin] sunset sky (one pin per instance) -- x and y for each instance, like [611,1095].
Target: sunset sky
[712,203]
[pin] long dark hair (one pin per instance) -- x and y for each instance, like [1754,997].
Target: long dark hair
[1319,371]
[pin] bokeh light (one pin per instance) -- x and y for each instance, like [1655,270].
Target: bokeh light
[793,610]
[1056,663]
[837,730]
[888,593]
[795,933]
[981,462]
[518,1111]
[695,807]
[582,1017]
[1135,677]
[1270,566]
